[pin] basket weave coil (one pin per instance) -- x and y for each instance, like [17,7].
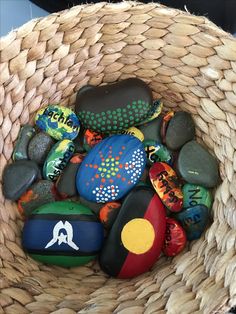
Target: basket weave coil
[188,62]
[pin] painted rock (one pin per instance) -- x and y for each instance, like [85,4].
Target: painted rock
[39,147]
[18,177]
[57,159]
[58,121]
[164,124]
[194,221]
[196,195]
[66,182]
[197,166]
[21,146]
[154,112]
[91,138]
[40,193]
[108,214]
[135,132]
[175,238]
[137,235]
[111,169]
[156,152]
[152,130]
[180,130]
[114,107]
[62,233]
[165,182]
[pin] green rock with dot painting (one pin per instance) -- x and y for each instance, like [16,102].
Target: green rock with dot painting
[114,107]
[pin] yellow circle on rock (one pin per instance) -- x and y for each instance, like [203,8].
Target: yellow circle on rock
[138,236]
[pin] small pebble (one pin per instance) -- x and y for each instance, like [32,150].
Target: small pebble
[39,147]
[21,146]
[152,130]
[156,152]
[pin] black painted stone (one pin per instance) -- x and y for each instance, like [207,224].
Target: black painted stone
[78,142]
[21,146]
[152,130]
[114,107]
[196,165]
[39,147]
[180,130]
[18,177]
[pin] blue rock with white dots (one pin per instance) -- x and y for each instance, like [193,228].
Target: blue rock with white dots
[111,169]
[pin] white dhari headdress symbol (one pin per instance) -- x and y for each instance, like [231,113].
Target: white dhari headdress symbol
[63,238]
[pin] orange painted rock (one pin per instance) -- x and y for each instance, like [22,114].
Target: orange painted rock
[165,182]
[91,138]
[164,124]
[108,214]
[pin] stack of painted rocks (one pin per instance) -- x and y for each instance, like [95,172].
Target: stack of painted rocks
[115,179]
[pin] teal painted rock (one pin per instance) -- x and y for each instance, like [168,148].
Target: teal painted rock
[156,152]
[194,221]
[57,159]
[21,146]
[58,121]
[62,233]
[114,107]
[197,166]
[39,147]
[196,195]
[152,130]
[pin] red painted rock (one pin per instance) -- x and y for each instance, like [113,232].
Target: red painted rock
[137,235]
[165,182]
[108,214]
[91,138]
[175,238]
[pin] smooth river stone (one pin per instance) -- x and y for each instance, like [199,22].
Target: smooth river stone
[175,238]
[196,195]
[62,233]
[180,130]
[114,107]
[152,130]
[137,235]
[58,121]
[18,177]
[156,152]
[197,166]
[111,169]
[39,147]
[57,159]
[21,146]
[40,193]
[194,221]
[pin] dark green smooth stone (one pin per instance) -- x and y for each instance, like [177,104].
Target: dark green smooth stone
[18,177]
[197,166]
[180,130]
[196,195]
[95,207]
[21,146]
[39,147]
[152,130]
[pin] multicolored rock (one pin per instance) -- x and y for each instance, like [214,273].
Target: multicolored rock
[108,214]
[91,138]
[156,152]
[62,233]
[21,146]
[194,221]
[196,195]
[40,193]
[18,177]
[165,182]
[135,132]
[58,121]
[111,169]
[57,159]
[39,147]
[114,107]
[175,238]
[137,235]
[154,112]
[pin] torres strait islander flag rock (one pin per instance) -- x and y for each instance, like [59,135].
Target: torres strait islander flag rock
[137,235]
[165,182]
[63,233]
[111,169]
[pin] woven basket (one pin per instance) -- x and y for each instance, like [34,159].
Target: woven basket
[191,64]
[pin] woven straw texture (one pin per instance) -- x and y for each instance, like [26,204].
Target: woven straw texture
[191,64]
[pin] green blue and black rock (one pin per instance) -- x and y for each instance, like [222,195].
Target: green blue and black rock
[180,130]
[152,130]
[154,112]
[114,107]
[18,177]
[196,195]
[57,159]
[39,147]
[21,146]
[197,166]
[156,152]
